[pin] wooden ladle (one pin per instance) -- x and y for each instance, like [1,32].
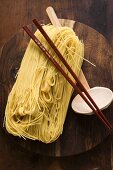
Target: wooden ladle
[101,95]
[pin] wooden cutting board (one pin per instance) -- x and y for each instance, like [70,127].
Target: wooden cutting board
[81,133]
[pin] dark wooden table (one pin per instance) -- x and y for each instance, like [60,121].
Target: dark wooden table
[13,15]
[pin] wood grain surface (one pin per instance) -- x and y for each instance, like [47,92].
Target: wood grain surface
[95,13]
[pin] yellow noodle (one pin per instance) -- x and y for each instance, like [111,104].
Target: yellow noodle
[38,102]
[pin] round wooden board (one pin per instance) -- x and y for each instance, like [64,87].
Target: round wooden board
[81,133]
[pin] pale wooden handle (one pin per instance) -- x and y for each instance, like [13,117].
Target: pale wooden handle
[83,80]
[53,17]
[55,21]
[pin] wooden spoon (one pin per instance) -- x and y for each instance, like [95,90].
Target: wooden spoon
[101,95]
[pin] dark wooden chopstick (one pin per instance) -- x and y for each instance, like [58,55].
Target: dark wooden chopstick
[69,68]
[34,38]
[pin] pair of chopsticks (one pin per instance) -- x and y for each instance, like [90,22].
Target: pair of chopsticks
[79,87]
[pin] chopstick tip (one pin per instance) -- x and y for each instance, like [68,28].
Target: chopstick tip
[24,27]
[34,20]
